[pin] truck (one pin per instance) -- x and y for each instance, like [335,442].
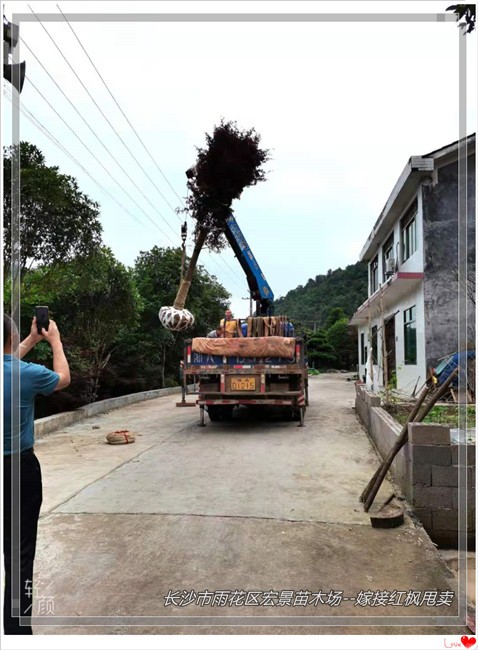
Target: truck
[254,371]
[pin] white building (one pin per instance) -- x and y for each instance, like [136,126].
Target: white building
[410,319]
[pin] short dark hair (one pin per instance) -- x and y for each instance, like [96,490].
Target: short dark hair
[7,328]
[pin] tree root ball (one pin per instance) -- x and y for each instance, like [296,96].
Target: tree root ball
[176,319]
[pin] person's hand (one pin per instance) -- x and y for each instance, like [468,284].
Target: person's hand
[52,334]
[34,336]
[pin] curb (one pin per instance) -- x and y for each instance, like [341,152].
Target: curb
[55,422]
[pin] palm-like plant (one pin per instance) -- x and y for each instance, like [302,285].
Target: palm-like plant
[231,161]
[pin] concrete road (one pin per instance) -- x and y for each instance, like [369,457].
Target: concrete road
[242,506]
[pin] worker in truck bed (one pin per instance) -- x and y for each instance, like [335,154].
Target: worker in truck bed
[218,333]
[230,325]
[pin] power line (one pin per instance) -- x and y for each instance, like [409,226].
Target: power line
[96,136]
[230,267]
[41,127]
[95,157]
[122,112]
[101,142]
[98,107]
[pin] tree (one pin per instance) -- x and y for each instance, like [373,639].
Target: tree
[320,352]
[334,315]
[156,272]
[343,339]
[92,300]
[231,161]
[58,222]
[468,12]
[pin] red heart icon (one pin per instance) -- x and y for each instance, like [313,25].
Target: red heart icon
[468,641]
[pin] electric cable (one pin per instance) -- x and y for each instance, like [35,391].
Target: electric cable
[96,135]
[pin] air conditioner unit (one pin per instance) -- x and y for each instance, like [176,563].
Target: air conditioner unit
[390,266]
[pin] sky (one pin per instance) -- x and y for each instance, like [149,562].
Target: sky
[340,106]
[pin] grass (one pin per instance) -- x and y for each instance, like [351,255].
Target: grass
[439,415]
[313,372]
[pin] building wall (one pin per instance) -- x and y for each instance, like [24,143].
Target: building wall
[407,375]
[440,224]
[415,263]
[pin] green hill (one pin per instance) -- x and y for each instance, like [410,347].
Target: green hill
[309,304]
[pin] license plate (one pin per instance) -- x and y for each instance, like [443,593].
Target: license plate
[243,383]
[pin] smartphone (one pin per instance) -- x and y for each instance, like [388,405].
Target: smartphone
[43,318]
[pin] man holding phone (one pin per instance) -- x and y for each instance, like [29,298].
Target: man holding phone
[33,379]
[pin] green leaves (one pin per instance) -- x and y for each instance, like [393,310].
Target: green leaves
[58,222]
[107,313]
[345,289]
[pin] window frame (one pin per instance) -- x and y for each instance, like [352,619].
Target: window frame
[374,285]
[408,232]
[387,248]
[410,336]
[374,344]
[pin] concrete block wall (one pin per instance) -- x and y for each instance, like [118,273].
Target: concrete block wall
[446,495]
[436,476]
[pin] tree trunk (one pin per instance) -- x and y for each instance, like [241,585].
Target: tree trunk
[183,290]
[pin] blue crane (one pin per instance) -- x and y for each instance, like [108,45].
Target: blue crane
[258,285]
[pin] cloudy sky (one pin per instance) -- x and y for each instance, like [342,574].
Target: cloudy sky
[341,106]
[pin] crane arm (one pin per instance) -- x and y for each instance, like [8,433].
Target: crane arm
[258,285]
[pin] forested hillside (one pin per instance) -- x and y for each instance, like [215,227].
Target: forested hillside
[312,303]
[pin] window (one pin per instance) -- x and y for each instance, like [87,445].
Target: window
[410,336]
[387,254]
[409,232]
[374,345]
[362,348]
[374,275]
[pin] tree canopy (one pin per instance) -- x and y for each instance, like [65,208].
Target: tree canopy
[58,222]
[231,161]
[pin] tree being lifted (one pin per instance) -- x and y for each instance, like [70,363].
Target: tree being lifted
[231,161]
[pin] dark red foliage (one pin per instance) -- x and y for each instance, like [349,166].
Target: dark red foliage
[231,161]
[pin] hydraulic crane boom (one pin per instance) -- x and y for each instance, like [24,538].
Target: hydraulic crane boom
[258,285]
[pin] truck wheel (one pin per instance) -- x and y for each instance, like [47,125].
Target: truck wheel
[220,413]
[214,413]
[226,413]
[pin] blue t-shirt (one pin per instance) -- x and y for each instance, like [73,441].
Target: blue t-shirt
[34,380]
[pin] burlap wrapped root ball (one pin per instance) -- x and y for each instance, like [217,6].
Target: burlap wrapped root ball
[122,437]
[174,319]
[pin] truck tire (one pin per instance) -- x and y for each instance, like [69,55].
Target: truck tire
[213,412]
[218,413]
